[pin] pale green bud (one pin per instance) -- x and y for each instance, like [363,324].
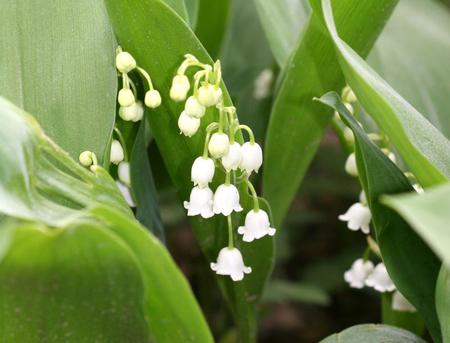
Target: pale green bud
[193,108]
[125,97]
[180,88]
[125,62]
[219,145]
[152,98]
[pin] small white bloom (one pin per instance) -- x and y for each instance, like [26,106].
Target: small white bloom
[116,155]
[357,275]
[218,145]
[251,157]
[380,280]
[152,98]
[85,158]
[200,202]
[125,62]
[400,303]
[226,200]
[180,88]
[126,193]
[262,84]
[123,171]
[188,125]
[230,262]
[256,226]
[209,95]
[135,112]
[193,108]
[350,165]
[232,160]
[202,171]
[125,97]
[357,217]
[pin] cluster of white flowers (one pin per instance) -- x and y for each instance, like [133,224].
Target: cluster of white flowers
[221,150]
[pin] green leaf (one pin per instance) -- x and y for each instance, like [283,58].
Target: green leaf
[212,22]
[424,149]
[411,264]
[413,58]
[297,124]
[428,214]
[443,301]
[280,291]
[192,10]
[179,7]
[69,285]
[373,333]
[282,21]
[57,61]
[158,42]
[143,185]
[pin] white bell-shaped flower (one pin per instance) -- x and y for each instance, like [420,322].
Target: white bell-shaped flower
[126,193]
[226,200]
[350,165]
[116,155]
[232,160]
[256,226]
[134,112]
[230,262]
[125,97]
[152,98]
[188,125]
[193,108]
[356,276]
[209,95]
[357,217]
[202,171]
[180,88]
[380,280]
[218,145]
[123,171]
[125,62]
[400,303]
[200,202]
[251,157]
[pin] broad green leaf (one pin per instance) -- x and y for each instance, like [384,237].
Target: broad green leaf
[192,10]
[179,7]
[424,149]
[143,185]
[159,42]
[428,214]
[281,291]
[410,262]
[373,333]
[70,285]
[297,123]
[57,61]
[282,21]
[212,22]
[413,58]
[443,301]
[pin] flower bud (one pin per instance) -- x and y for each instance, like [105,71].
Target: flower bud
[350,165]
[218,145]
[188,125]
[348,95]
[117,154]
[232,160]
[134,113]
[209,95]
[125,62]
[123,171]
[193,108]
[251,157]
[85,158]
[202,171]
[152,98]
[125,97]
[180,88]
[349,136]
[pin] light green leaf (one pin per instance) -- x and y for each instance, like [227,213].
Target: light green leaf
[192,10]
[57,61]
[282,21]
[412,55]
[425,150]
[297,123]
[443,301]
[404,253]
[373,333]
[158,42]
[428,214]
[179,7]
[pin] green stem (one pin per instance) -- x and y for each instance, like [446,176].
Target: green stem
[198,76]
[254,195]
[249,131]
[230,233]
[144,73]
[126,81]
[227,178]
[366,254]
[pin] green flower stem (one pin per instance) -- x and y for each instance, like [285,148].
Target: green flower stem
[126,81]
[230,233]
[209,129]
[144,73]
[198,76]
[133,87]
[366,254]
[249,131]
[254,195]
[122,142]
[227,178]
